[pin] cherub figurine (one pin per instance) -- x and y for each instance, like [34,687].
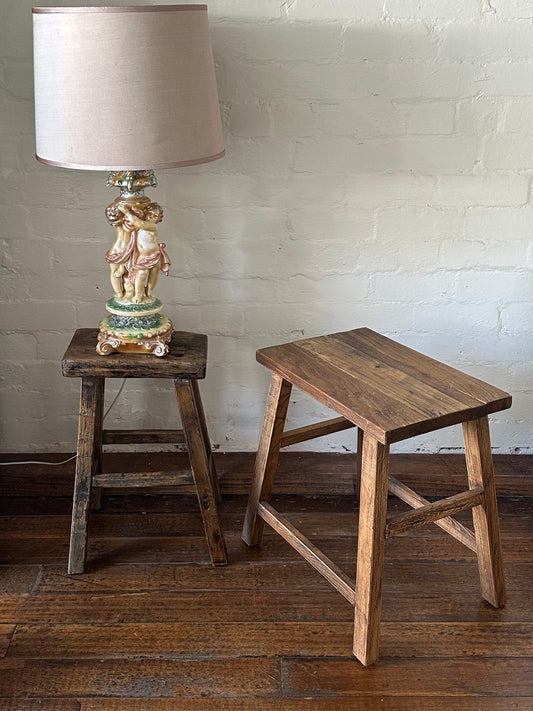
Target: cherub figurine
[120,253]
[136,257]
[149,256]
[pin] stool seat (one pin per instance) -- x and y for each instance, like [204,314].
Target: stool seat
[185,364]
[390,393]
[387,389]
[187,358]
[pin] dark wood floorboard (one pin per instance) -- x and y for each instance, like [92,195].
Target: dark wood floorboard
[151,626]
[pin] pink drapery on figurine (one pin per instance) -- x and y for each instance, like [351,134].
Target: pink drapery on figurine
[136,257]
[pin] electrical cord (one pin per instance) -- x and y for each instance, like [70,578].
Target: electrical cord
[56,464]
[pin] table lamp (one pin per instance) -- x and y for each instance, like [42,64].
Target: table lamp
[127,90]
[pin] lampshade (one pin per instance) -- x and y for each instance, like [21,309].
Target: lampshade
[125,88]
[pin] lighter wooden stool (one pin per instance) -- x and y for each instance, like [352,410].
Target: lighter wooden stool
[390,393]
[185,364]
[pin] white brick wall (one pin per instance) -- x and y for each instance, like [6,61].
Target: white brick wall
[378,172]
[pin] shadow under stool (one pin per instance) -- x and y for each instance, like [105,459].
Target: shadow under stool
[185,364]
[390,392]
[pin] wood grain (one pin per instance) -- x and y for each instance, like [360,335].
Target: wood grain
[266,633]
[360,703]
[312,473]
[331,572]
[331,517]
[259,639]
[482,677]
[389,390]
[185,362]
[432,512]
[485,516]
[187,358]
[143,437]
[206,439]
[370,550]
[319,429]
[39,704]
[143,479]
[391,393]
[235,605]
[141,678]
[266,461]
[286,572]
[181,547]
[6,633]
[451,526]
[87,465]
[199,456]
[449,380]
[20,578]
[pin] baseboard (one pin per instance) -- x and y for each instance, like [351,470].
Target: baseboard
[313,473]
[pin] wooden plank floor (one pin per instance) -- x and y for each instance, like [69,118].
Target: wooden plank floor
[151,626]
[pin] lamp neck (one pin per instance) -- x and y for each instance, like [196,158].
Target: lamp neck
[132,182]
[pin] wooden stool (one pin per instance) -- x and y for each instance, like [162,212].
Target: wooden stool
[185,363]
[390,393]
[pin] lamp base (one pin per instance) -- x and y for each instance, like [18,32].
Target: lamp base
[134,328]
[136,258]
[108,344]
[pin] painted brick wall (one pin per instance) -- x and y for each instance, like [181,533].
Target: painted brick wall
[378,172]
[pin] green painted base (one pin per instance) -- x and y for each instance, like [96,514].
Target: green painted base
[134,338]
[133,324]
[135,328]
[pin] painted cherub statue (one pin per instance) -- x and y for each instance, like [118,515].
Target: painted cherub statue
[120,253]
[136,257]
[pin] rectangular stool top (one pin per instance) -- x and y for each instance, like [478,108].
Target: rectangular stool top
[186,359]
[387,389]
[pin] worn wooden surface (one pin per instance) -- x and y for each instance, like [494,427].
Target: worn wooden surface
[193,422]
[143,436]
[485,516]
[370,549]
[185,363]
[213,476]
[266,461]
[431,474]
[324,565]
[307,432]
[143,479]
[433,512]
[165,631]
[391,391]
[88,464]
[451,525]
[187,358]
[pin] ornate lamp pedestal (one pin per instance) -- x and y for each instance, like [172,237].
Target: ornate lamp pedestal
[135,323]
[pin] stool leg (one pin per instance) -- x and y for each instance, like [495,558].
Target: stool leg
[96,491]
[207,443]
[199,459]
[90,421]
[358,463]
[266,460]
[370,549]
[486,523]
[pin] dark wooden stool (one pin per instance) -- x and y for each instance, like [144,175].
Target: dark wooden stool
[185,364]
[390,393]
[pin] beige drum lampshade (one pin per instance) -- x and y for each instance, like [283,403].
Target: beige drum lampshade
[125,88]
